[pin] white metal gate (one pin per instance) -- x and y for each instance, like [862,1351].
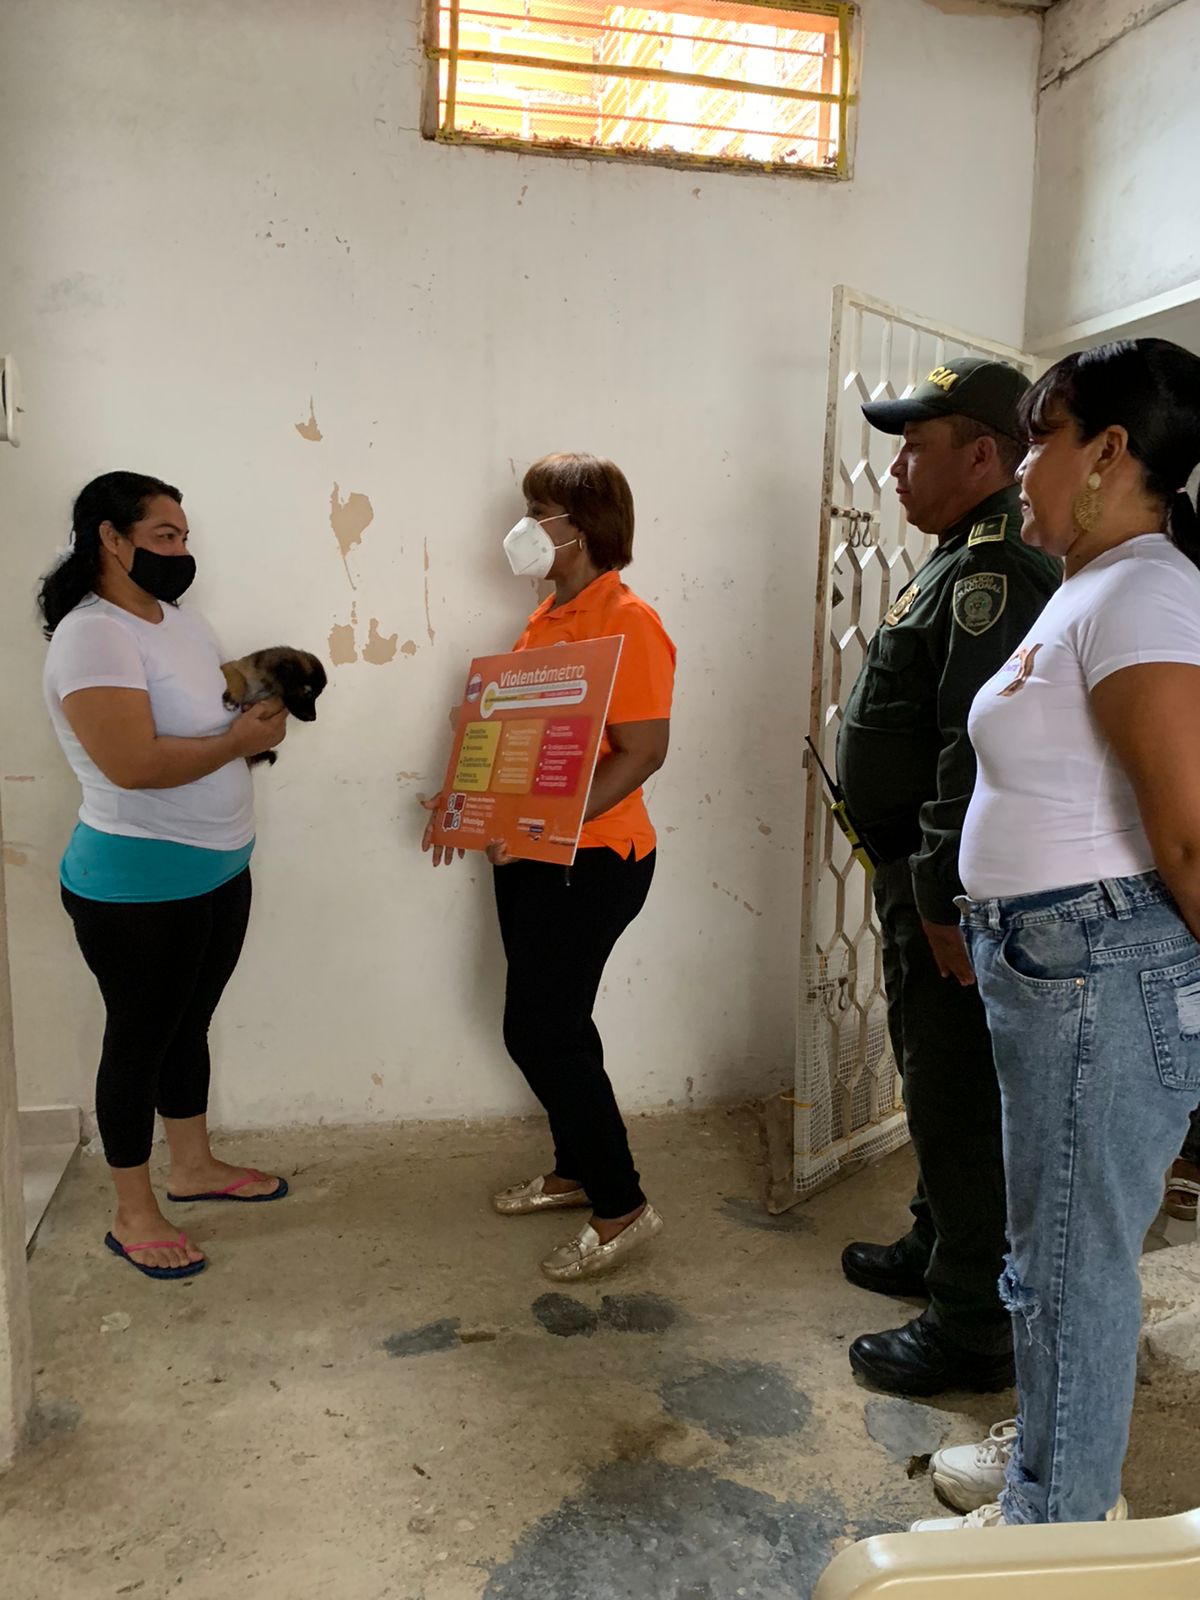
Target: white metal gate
[848,1108]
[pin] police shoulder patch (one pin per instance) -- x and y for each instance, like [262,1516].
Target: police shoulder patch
[979,601]
[992,530]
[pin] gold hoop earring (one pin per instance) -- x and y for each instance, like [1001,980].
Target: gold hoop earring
[1087,505]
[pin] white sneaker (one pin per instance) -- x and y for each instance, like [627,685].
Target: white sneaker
[992,1517]
[971,1475]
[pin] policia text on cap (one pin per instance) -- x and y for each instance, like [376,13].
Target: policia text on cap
[906,768]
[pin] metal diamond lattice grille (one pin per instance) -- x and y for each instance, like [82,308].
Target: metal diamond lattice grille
[848,1107]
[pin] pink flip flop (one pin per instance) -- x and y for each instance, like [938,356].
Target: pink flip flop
[232,1192]
[123,1250]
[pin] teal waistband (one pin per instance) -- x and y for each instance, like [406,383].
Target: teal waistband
[111,867]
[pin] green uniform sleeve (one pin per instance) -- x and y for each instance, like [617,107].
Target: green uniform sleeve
[993,597]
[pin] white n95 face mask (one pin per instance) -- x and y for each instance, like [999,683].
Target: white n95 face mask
[530,549]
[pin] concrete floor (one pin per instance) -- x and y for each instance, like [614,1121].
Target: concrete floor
[368,1394]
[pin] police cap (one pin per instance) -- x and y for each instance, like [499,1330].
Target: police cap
[965,386]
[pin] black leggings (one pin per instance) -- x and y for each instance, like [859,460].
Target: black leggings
[559,929]
[162,969]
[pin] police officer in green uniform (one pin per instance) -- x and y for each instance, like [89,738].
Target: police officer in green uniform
[907,769]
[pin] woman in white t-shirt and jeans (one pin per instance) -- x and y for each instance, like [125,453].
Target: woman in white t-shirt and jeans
[1081,863]
[156,878]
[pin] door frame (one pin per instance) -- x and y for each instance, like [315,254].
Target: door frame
[818,1161]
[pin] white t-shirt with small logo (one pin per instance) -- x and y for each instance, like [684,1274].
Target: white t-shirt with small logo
[1052,806]
[177,662]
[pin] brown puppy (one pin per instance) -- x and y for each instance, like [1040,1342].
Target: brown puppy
[293,676]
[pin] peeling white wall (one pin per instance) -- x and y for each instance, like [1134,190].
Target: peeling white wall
[211,213]
[1115,219]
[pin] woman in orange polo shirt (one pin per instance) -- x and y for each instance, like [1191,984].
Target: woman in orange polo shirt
[559,925]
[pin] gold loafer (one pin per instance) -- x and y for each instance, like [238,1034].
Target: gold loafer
[524,1198]
[585,1257]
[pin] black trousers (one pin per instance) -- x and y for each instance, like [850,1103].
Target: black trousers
[1191,1145]
[162,969]
[559,928]
[944,1052]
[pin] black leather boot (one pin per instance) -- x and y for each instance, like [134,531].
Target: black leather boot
[885,1268]
[919,1359]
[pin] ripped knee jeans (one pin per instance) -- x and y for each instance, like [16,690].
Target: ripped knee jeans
[1093,1002]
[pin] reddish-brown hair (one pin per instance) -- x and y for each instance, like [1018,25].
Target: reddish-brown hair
[596,496]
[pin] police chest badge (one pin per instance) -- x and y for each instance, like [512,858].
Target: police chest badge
[903,605]
[979,601]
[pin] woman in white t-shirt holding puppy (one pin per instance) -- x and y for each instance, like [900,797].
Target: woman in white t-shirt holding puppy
[156,878]
[1081,862]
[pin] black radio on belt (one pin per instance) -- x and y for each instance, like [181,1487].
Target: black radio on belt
[859,848]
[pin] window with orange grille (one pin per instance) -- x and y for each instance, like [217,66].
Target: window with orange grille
[702,82]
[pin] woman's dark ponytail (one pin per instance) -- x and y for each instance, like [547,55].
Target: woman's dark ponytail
[117,497]
[1183,525]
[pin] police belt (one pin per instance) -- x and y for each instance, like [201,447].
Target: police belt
[893,839]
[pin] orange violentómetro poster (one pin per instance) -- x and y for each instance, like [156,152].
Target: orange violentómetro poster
[526,741]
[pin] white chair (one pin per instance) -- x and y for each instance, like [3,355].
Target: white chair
[1158,1559]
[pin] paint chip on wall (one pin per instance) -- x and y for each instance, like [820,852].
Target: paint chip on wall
[409,647]
[378,650]
[349,520]
[342,649]
[309,430]
[428,617]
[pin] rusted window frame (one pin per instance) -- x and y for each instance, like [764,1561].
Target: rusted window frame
[843,105]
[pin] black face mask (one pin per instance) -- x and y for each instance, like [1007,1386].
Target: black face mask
[165,577]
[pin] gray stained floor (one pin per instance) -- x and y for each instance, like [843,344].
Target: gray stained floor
[372,1392]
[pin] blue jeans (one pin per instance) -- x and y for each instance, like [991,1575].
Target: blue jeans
[1093,1000]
